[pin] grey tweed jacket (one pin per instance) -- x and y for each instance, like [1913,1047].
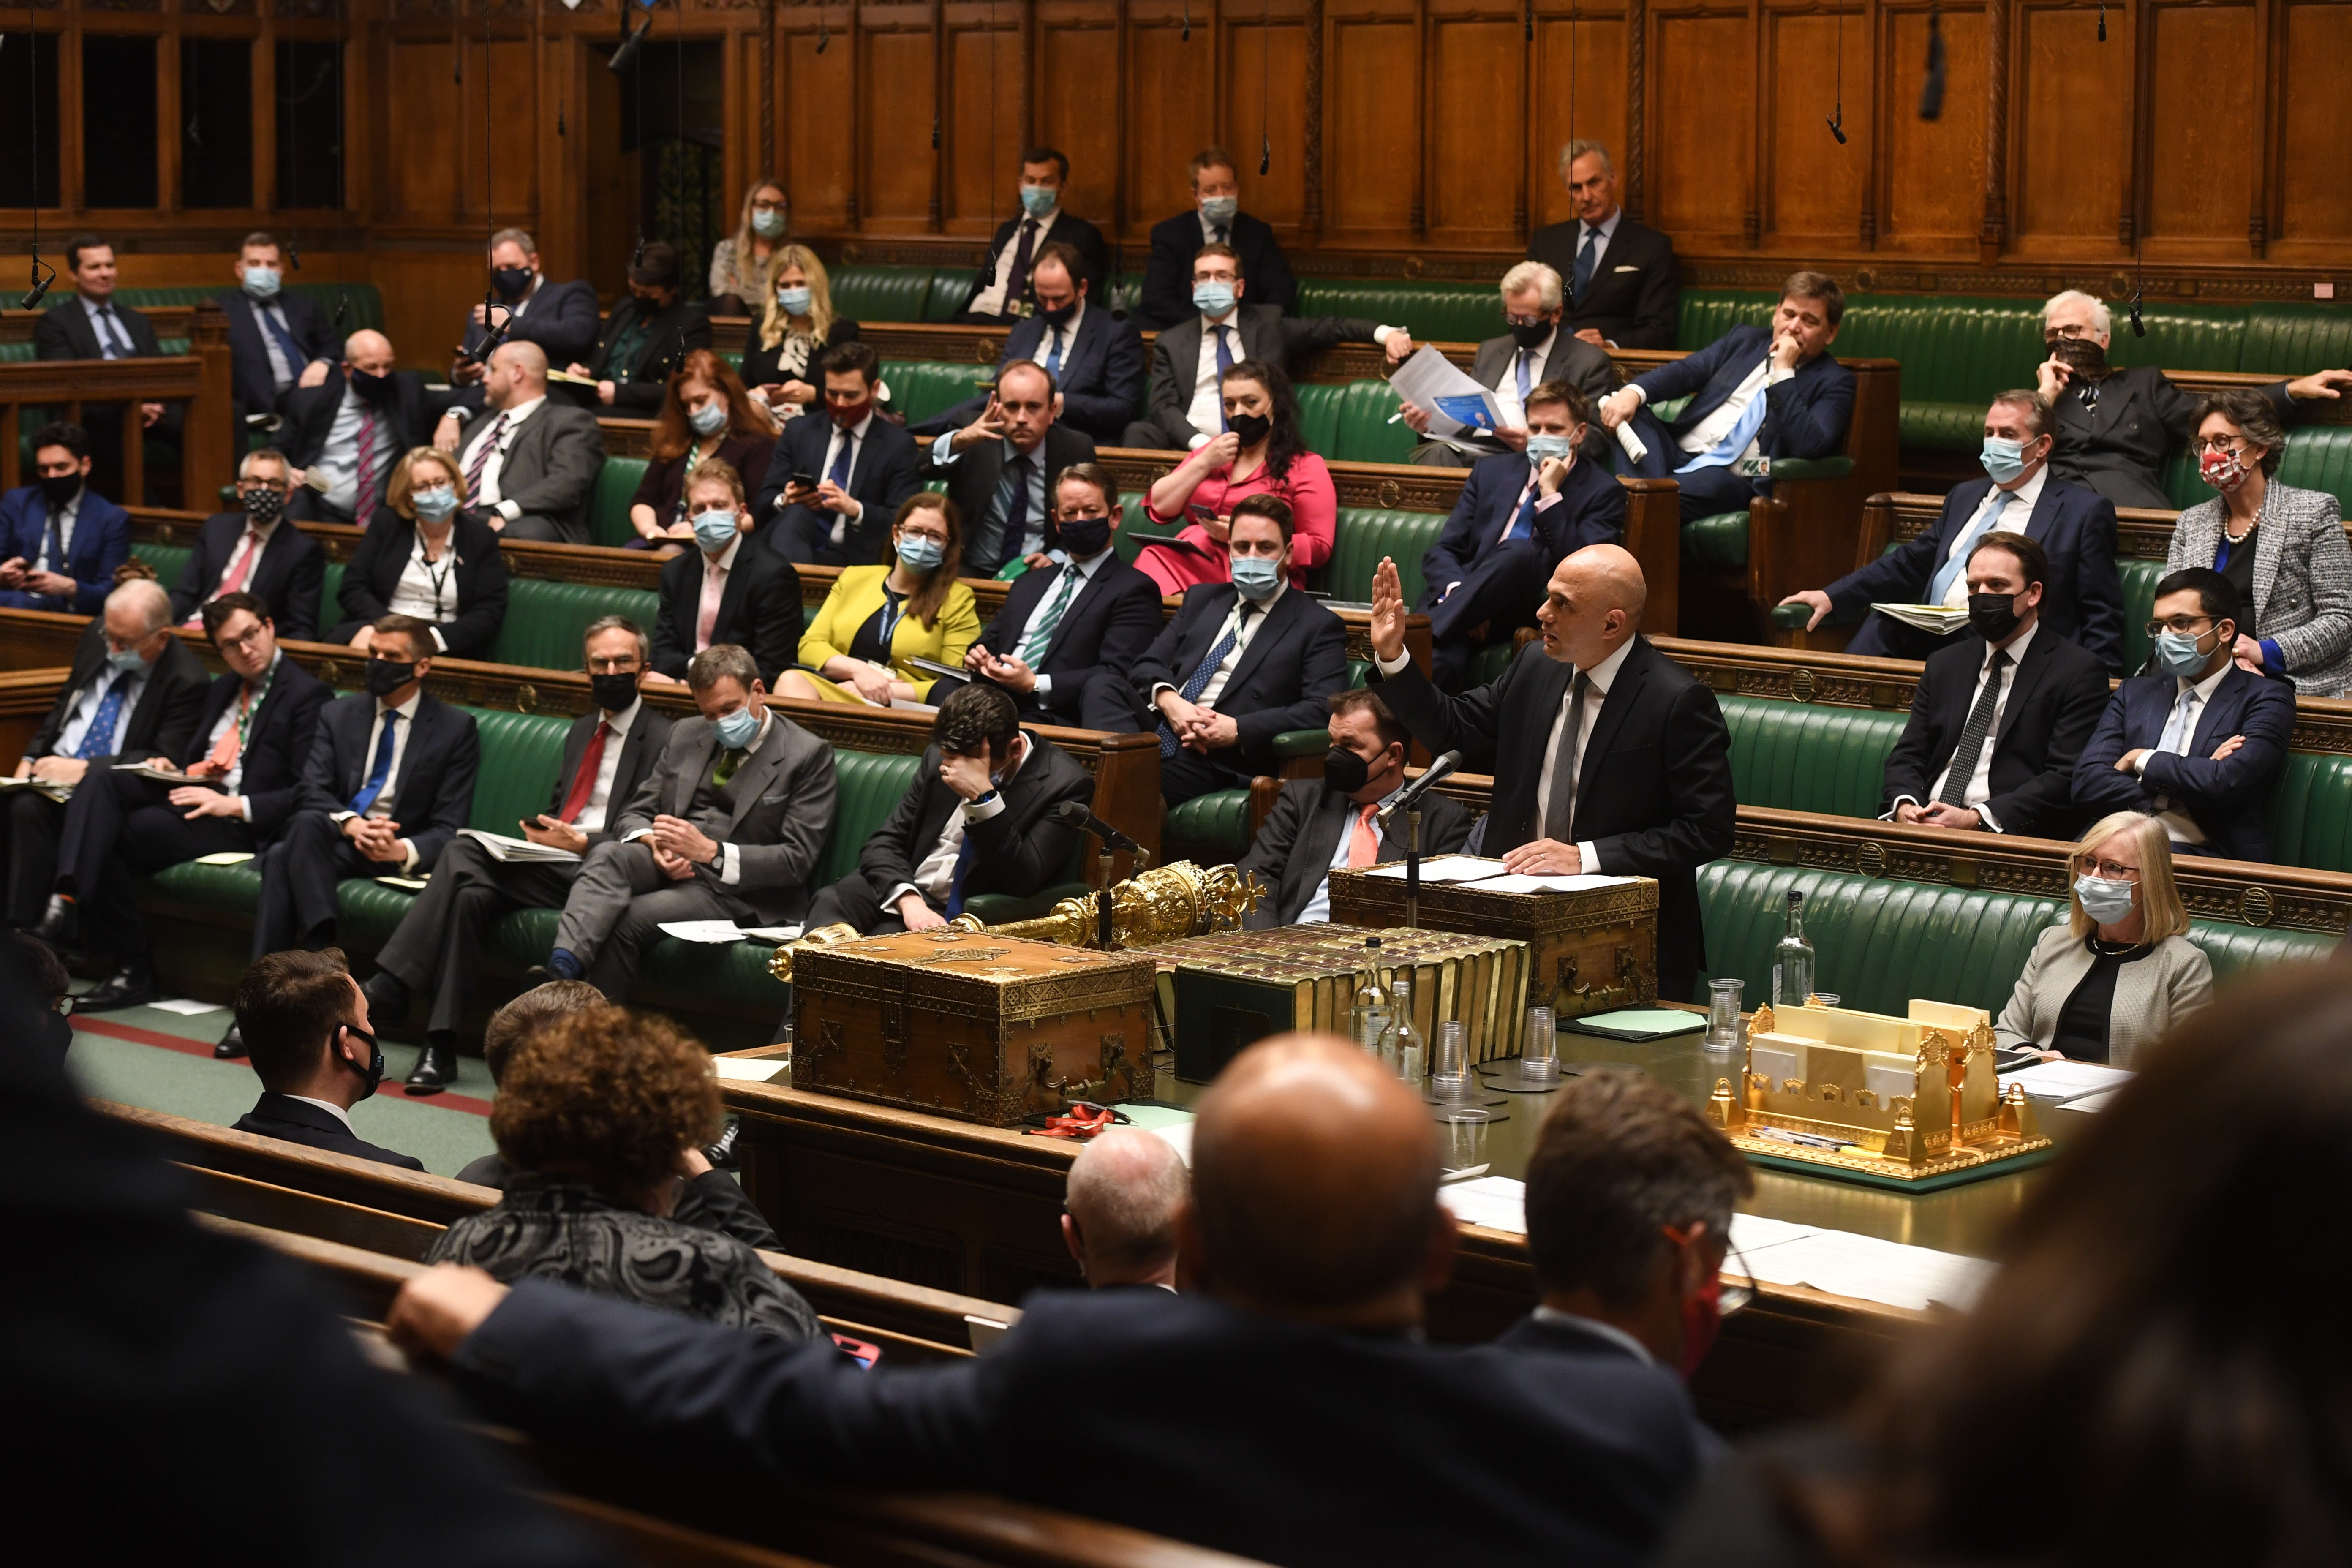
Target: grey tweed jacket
[2303,580]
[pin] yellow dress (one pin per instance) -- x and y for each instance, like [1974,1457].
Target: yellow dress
[856,595]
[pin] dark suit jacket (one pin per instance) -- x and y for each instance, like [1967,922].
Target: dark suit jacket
[293,1121]
[1532,1335]
[1571,359]
[670,335]
[162,718]
[278,742]
[1292,853]
[1309,1478]
[972,484]
[100,542]
[2082,602]
[64,332]
[434,790]
[1102,377]
[1634,296]
[1654,797]
[253,385]
[308,418]
[648,736]
[561,317]
[1265,333]
[290,576]
[1168,277]
[2055,703]
[2229,800]
[1591,511]
[1282,681]
[760,361]
[1103,632]
[1805,416]
[1020,849]
[664,485]
[551,468]
[383,555]
[888,469]
[758,610]
[1068,229]
[2119,449]
[784,796]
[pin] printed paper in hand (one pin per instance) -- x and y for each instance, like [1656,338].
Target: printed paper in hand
[518,851]
[1631,445]
[1457,405]
[1937,620]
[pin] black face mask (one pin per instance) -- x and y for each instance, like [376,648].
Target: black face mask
[370,387]
[1084,538]
[262,504]
[1531,337]
[614,692]
[1992,615]
[1251,428]
[510,281]
[59,489]
[374,1073]
[1060,318]
[386,676]
[2084,356]
[1344,771]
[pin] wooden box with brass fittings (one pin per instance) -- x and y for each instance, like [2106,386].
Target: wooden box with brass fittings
[971,1025]
[1594,950]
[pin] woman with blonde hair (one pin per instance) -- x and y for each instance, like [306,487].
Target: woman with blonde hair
[792,330]
[878,619]
[426,553]
[741,266]
[2122,970]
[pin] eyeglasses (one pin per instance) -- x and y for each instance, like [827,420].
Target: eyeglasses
[1513,319]
[239,644]
[2051,335]
[2179,624]
[1732,1299]
[2093,866]
[2204,444]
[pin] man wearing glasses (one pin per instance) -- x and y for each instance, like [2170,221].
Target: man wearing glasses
[1537,348]
[2200,745]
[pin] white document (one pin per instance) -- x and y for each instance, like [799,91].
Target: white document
[2090,1101]
[406,884]
[1578,884]
[1456,403]
[1629,444]
[183,1006]
[716,932]
[2067,1080]
[60,793]
[750,1070]
[226,858]
[1444,868]
[772,933]
[165,775]
[1497,1203]
[1937,620]
[1845,1263]
[518,851]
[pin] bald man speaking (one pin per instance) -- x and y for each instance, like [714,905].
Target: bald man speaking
[1608,757]
[1285,1408]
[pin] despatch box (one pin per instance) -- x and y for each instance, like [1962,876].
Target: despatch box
[1594,949]
[1229,989]
[964,1024]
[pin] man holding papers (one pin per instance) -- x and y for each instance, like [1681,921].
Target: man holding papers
[2082,598]
[607,755]
[241,766]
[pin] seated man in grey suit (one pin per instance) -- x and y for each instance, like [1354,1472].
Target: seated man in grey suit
[1321,825]
[530,465]
[1537,348]
[729,827]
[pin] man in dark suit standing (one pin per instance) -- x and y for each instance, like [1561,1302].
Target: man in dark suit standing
[243,760]
[1243,662]
[2200,745]
[835,483]
[1189,358]
[1314,1235]
[1096,360]
[728,826]
[314,1051]
[1998,718]
[2083,597]
[1085,618]
[1755,397]
[1537,349]
[343,433]
[726,589]
[560,318]
[1001,469]
[529,464]
[91,325]
[1320,826]
[646,338]
[1216,218]
[1609,756]
[135,691]
[608,753]
[1000,289]
[60,540]
[979,819]
[277,338]
[1517,517]
[255,549]
[1624,290]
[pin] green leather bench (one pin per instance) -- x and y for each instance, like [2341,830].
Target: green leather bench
[365,310]
[608,504]
[920,389]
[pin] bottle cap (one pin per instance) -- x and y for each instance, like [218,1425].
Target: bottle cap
[1371,941]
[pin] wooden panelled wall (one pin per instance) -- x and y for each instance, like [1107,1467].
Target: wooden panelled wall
[1403,135]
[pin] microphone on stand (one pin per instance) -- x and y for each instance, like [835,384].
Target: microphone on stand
[1409,796]
[1073,815]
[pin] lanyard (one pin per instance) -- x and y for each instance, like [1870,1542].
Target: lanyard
[439,579]
[252,705]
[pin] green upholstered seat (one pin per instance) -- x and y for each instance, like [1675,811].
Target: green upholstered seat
[2311,813]
[2179,337]
[869,293]
[1717,544]
[330,599]
[16,353]
[1367,533]
[1444,312]
[1212,828]
[546,619]
[2139,578]
[1369,430]
[169,559]
[949,286]
[922,388]
[870,786]
[608,504]
[2317,457]
[2294,340]
[1804,757]
[1493,659]
[1319,416]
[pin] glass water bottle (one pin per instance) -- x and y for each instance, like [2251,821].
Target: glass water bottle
[1404,1048]
[1370,1018]
[1792,960]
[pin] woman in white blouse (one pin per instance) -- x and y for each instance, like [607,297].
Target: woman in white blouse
[425,554]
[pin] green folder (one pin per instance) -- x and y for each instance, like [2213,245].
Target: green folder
[1639,1024]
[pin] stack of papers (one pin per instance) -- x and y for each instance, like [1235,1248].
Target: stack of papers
[1490,877]
[1457,405]
[1497,1203]
[1937,620]
[165,775]
[518,851]
[60,793]
[2069,1081]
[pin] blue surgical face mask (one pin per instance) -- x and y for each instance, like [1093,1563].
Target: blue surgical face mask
[1256,576]
[2176,653]
[2104,902]
[768,223]
[735,730]
[262,282]
[1214,297]
[709,420]
[2004,459]
[921,552]
[125,659]
[435,504]
[1038,200]
[793,301]
[1220,210]
[1541,446]
[714,530]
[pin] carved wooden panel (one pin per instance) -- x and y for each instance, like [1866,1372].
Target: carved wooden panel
[1264,97]
[1702,128]
[2204,124]
[2315,128]
[896,65]
[1579,92]
[2070,166]
[1172,114]
[981,169]
[1077,103]
[1815,186]
[1372,146]
[420,104]
[1477,82]
[814,107]
[1931,172]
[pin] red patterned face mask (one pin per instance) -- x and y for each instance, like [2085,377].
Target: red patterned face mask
[2225,471]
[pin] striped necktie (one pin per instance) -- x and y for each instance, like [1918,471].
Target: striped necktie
[482,457]
[1041,636]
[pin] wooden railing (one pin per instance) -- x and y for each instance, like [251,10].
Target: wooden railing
[77,389]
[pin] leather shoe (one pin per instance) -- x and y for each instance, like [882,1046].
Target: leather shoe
[60,922]
[232,1045]
[387,1000]
[435,1069]
[132,985]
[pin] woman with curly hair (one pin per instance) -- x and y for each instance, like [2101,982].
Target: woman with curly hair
[594,1116]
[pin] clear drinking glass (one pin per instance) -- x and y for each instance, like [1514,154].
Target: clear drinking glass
[1539,1058]
[1450,1075]
[1723,1022]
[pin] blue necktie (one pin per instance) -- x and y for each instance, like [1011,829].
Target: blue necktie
[1586,260]
[1198,681]
[382,768]
[839,472]
[1053,354]
[112,342]
[99,740]
[1225,363]
[1523,521]
[962,870]
[1948,573]
[1526,374]
[285,343]
[1727,451]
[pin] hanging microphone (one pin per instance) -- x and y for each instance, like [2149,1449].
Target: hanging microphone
[40,284]
[1409,796]
[1837,125]
[1264,152]
[1073,815]
[1931,92]
[1186,36]
[626,55]
[2103,21]
[822,36]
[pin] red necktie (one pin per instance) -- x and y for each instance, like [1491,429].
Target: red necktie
[1363,844]
[583,783]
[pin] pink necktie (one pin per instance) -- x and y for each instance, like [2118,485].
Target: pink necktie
[232,579]
[714,588]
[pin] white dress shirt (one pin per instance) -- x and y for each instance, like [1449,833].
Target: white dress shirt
[1064,336]
[1585,231]
[1084,570]
[84,713]
[255,542]
[1206,413]
[113,333]
[935,877]
[2177,823]
[68,515]
[1033,529]
[380,807]
[1703,435]
[2013,518]
[1506,386]
[1979,788]
[1318,908]
[1224,671]
[731,860]
[990,301]
[490,494]
[329,1107]
[428,589]
[600,793]
[281,371]
[856,436]
[1598,680]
